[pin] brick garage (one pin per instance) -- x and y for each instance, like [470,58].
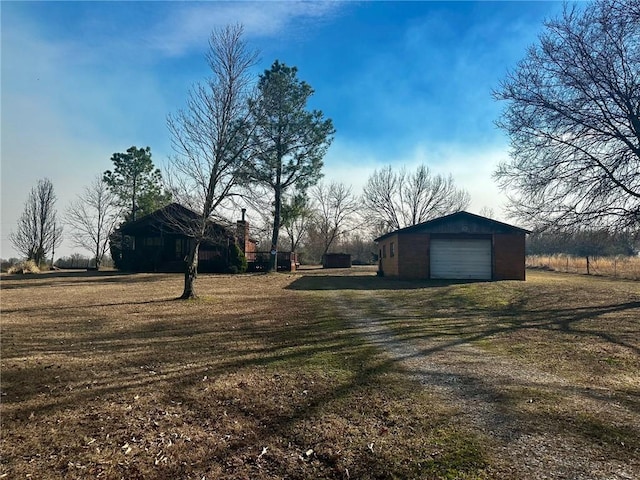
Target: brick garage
[457,246]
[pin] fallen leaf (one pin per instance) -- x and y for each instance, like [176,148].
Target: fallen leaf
[264,450]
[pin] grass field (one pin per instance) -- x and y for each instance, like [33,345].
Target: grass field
[617,267]
[266,376]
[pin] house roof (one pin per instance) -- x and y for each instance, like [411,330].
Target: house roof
[459,222]
[173,218]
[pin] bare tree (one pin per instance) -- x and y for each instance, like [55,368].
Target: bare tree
[400,199]
[92,217]
[210,138]
[573,117]
[487,212]
[336,212]
[297,215]
[38,232]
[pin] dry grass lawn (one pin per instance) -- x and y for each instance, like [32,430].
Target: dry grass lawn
[617,267]
[105,375]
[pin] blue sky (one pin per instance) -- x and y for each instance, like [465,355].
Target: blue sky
[404,82]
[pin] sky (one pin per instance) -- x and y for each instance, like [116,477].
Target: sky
[405,83]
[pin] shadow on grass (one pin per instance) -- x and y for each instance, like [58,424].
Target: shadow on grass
[174,351]
[472,327]
[90,305]
[78,277]
[366,282]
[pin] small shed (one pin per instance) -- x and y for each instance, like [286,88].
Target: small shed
[336,260]
[457,246]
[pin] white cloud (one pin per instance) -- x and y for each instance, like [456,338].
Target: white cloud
[190,25]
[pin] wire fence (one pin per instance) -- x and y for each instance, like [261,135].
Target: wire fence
[618,266]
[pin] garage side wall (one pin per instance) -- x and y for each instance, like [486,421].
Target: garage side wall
[508,256]
[413,255]
[388,252]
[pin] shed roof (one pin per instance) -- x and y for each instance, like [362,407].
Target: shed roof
[459,222]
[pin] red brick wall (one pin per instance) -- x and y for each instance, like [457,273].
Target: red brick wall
[508,256]
[411,259]
[413,255]
[242,235]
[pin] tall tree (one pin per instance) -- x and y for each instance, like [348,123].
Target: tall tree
[211,138]
[289,141]
[336,212]
[92,217]
[38,233]
[573,117]
[400,199]
[136,183]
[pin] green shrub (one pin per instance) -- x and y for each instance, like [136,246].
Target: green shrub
[237,260]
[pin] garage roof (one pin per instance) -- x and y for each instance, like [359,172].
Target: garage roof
[459,222]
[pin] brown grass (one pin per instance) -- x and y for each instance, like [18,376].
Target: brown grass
[617,267]
[107,376]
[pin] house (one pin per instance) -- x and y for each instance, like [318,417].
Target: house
[457,246]
[160,241]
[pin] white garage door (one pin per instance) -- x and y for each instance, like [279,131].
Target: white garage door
[461,259]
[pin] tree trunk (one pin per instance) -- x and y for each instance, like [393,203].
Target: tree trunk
[191,273]
[98,255]
[273,266]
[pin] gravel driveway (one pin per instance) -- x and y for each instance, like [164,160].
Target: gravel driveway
[524,446]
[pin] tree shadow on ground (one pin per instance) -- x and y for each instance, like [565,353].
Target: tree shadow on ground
[366,282]
[46,279]
[184,352]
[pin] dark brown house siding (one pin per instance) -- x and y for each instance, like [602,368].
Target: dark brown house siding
[156,242]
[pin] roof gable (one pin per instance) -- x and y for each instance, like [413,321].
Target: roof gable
[459,222]
[173,218]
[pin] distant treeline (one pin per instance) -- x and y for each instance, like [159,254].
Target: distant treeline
[73,261]
[77,260]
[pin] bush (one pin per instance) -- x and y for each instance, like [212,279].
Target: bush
[5,265]
[28,266]
[237,260]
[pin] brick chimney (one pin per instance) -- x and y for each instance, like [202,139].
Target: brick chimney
[242,232]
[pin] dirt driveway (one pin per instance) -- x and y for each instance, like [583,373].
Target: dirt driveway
[535,422]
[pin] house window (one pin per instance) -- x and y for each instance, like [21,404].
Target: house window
[384,251]
[182,248]
[392,250]
[152,241]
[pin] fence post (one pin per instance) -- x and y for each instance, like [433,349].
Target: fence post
[588,272]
